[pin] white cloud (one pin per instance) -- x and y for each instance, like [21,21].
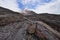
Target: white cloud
[44,8]
[25,1]
[52,7]
[10,4]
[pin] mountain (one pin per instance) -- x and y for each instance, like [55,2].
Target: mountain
[28,12]
[28,25]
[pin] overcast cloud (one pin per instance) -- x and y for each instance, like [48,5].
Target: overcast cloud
[10,4]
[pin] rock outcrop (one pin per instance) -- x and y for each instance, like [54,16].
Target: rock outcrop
[16,26]
[50,19]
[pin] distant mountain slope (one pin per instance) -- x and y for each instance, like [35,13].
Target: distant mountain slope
[6,11]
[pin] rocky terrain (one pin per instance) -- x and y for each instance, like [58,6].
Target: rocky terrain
[16,26]
[50,19]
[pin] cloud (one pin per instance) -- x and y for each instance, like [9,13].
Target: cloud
[39,6]
[10,4]
[53,8]
[25,2]
[43,6]
[31,4]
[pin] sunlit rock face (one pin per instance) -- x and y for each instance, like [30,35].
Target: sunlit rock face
[28,12]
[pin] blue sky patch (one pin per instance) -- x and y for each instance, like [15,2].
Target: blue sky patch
[46,1]
[32,5]
[21,6]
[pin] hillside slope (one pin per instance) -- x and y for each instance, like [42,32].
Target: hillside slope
[16,26]
[50,19]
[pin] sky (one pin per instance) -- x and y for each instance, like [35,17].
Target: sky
[38,6]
